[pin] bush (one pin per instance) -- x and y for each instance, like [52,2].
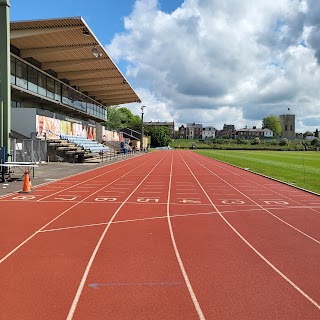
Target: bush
[256,140]
[315,142]
[242,141]
[284,142]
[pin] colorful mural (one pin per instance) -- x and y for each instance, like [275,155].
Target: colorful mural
[52,128]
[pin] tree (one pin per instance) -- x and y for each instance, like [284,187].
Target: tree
[113,118]
[315,142]
[160,136]
[316,133]
[308,134]
[272,122]
[129,120]
[120,117]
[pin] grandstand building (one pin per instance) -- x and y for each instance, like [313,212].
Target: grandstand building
[62,80]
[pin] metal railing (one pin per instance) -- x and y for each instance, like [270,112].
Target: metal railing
[28,150]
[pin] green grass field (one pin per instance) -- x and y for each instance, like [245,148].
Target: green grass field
[301,169]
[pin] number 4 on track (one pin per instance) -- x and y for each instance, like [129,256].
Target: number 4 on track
[189,201]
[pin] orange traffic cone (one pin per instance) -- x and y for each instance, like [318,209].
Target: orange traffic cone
[26,183]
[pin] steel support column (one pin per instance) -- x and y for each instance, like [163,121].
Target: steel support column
[5,87]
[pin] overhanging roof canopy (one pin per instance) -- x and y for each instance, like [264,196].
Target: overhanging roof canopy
[68,47]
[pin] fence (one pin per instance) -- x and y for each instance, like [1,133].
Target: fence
[28,150]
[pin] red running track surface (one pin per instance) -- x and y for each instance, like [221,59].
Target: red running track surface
[169,235]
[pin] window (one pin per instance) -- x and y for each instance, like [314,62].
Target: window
[32,79]
[42,84]
[21,74]
[50,88]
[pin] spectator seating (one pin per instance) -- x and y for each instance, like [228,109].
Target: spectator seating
[87,144]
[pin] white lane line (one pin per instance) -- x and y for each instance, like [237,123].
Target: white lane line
[92,180]
[95,251]
[120,188]
[154,188]
[86,187]
[191,198]
[83,191]
[114,191]
[265,209]
[129,220]
[155,184]
[195,193]
[57,217]
[273,189]
[304,294]
[151,192]
[183,270]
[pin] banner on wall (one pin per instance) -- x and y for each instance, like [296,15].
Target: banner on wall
[52,128]
[108,135]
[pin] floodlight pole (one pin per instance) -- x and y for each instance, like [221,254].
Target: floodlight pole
[5,87]
[141,138]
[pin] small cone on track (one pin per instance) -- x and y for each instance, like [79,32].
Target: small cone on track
[26,183]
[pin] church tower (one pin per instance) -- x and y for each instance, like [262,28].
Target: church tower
[288,126]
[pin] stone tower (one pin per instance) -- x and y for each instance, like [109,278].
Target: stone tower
[288,126]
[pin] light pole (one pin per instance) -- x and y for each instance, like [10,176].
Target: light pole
[141,138]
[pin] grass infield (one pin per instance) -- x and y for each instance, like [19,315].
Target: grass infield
[301,169]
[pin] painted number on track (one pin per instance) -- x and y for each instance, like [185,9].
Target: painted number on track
[275,202]
[66,198]
[189,201]
[143,199]
[232,201]
[23,198]
[105,199]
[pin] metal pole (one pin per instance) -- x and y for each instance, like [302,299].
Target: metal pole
[5,87]
[1,122]
[141,138]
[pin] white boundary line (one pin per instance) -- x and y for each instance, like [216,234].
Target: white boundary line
[57,217]
[183,270]
[296,189]
[129,221]
[61,180]
[95,251]
[252,247]
[263,208]
[82,182]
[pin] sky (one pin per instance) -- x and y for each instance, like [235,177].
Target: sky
[207,61]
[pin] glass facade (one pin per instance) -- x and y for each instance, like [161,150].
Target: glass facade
[26,76]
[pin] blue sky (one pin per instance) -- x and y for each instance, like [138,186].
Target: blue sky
[207,61]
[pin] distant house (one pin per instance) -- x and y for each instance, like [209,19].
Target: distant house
[182,132]
[169,125]
[228,131]
[194,131]
[247,133]
[208,132]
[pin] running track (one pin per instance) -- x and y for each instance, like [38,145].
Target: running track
[168,235]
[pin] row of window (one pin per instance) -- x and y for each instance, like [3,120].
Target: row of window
[286,127]
[30,78]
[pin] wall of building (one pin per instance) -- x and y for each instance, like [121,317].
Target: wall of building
[287,122]
[23,121]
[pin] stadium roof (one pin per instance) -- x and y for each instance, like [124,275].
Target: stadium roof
[69,48]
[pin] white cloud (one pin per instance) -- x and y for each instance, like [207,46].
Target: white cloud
[216,62]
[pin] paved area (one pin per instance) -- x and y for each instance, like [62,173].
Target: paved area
[51,171]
